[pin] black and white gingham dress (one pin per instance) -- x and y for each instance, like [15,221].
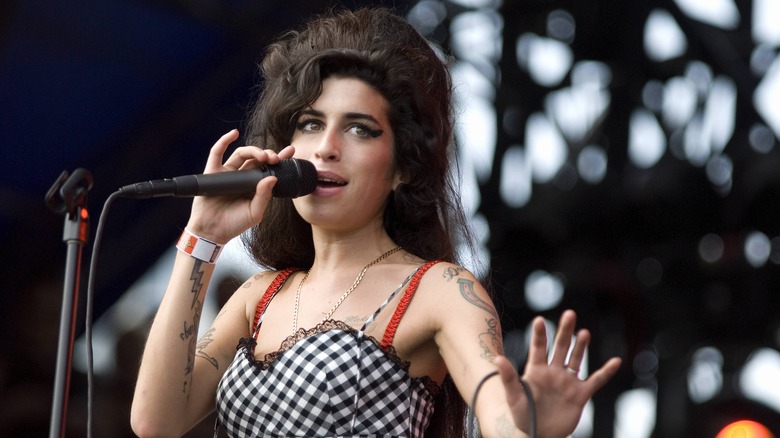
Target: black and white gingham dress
[330,381]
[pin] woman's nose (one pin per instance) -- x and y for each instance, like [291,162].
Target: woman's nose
[329,147]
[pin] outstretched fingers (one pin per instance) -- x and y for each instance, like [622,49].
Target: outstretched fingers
[537,351]
[578,351]
[563,338]
[558,392]
[603,375]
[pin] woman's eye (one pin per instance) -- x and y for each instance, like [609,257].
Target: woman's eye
[364,131]
[358,130]
[308,125]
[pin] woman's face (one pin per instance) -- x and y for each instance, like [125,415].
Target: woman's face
[347,135]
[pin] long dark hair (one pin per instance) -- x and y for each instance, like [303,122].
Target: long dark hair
[423,215]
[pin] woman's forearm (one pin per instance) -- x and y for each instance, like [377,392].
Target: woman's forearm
[161,404]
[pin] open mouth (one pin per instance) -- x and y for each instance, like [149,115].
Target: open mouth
[327,182]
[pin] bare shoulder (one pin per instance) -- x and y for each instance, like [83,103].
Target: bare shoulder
[457,287]
[251,291]
[259,281]
[446,274]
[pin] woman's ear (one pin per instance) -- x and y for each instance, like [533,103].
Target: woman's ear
[399,178]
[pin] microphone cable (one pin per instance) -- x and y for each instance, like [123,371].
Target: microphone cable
[89,306]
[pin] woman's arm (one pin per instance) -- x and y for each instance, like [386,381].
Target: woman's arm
[469,338]
[178,376]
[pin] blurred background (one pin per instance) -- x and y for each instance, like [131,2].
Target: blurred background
[618,158]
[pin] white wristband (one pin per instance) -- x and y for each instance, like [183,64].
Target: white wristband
[198,247]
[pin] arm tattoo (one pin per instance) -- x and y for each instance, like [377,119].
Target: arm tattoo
[189,330]
[451,273]
[489,340]
[256,277]
[202,344]
[190,366]
[191,350]
[197,281]
[467,291]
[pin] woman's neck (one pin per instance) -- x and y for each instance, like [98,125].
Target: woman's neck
[348,251]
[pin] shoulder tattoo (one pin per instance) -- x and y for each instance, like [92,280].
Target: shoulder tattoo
[256,277]
[452,272]
[466,288]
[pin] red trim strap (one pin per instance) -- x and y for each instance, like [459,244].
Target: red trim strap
[274,287]
[387,339]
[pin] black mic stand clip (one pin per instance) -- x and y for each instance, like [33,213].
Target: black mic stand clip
[68,197]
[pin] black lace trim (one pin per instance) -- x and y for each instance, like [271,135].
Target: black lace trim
[248,345]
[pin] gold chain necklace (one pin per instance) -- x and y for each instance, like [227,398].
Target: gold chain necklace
[345,295]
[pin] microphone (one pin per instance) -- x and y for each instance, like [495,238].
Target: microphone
[296,178]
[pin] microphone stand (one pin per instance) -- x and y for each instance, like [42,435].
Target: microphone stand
[68,197]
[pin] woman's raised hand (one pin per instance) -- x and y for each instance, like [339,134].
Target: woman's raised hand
[221,218]
[559,394]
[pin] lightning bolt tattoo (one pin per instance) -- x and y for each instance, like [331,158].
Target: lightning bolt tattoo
[197,282]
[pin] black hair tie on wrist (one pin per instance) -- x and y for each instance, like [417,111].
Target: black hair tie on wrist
[470,418]
[528,395]
[531,407]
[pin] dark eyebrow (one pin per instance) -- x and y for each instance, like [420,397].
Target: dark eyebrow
[359,116]
[348,116]
[312,112]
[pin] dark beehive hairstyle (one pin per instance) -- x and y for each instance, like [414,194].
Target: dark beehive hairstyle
[377,46]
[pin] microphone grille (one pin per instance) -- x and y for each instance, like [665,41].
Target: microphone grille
[296,178]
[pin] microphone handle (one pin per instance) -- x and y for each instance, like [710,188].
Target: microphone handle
[241,182]
[150,189]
